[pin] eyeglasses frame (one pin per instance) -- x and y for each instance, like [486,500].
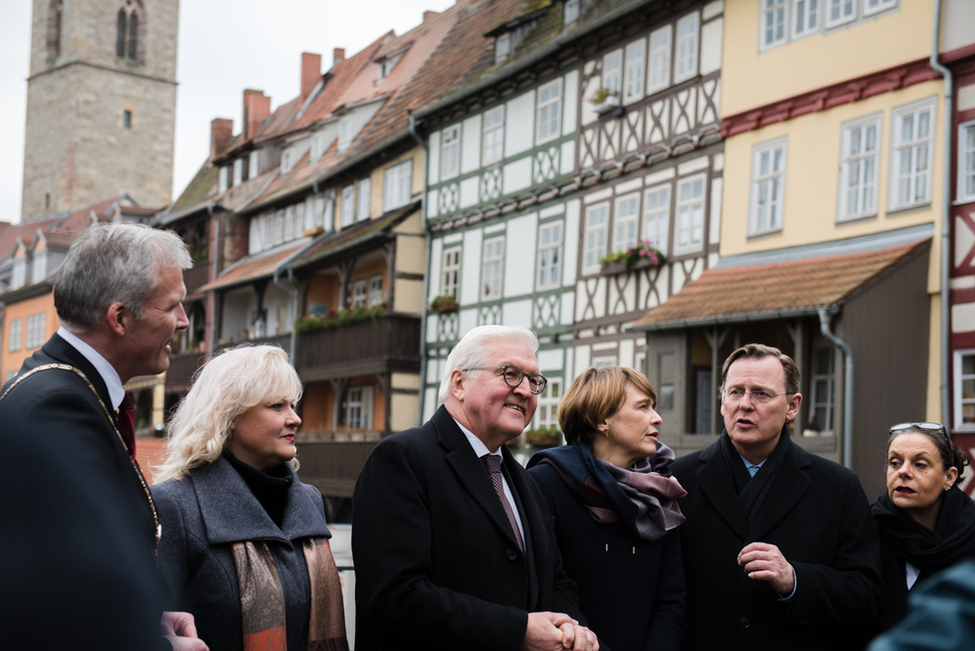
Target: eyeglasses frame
[922,426]
[543,381]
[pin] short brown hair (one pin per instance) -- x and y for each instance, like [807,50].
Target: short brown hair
[595,396]
[758,351]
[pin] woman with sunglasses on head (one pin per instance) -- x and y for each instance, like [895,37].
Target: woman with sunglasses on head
[926,523]
[616,513]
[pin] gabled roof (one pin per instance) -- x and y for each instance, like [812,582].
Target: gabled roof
[202,187]
[767,291]
[252,268]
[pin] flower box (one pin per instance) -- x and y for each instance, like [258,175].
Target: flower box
[640,256]
[445,303]
[543,437]
[610,103]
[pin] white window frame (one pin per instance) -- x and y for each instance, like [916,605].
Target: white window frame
[502,47]
[570,13]
[492,136]
[634,70]
[959,381]
[810,11]
[450,275]
[375,290]
[966,161]
[252,164]
[547,412]
[612,78]
[450,152]
[690,214]
[660,46]
[398,185]
[920,148]
[549,112]
[660,216]
[358,406]
[773,23]
[364,191]
[348,205]
[686,57]
[222,177]
[36,323]
[828,378]
[492,268]
[626,221]
[238,171]
[866,189]
[38,266]
[359,293]
[15,335]
[774,177]
[881,5]
[345,133]
[597,231]
[549,272]
[841,17]
[19,277]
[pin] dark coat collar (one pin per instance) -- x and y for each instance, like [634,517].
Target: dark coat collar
[231,513]
[718,486]
[61,351]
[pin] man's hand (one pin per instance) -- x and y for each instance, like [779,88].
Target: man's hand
[557,632]
[764,562]
[180,630]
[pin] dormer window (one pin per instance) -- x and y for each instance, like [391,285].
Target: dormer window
[20,273]
[317,145]
[386,66]
[39,267]
[252,164]
[502,47]
[570,13]
[222,180]
[345,133]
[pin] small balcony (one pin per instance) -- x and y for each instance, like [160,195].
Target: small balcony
[181,369]
[281,341]
[332,466]
[196,276]
[387,343]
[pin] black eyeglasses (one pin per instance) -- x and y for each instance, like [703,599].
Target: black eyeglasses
[513,376]
[759,396]
[922,427]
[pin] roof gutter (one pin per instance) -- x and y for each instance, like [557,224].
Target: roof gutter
[945,214]
[719,320]
[824,316]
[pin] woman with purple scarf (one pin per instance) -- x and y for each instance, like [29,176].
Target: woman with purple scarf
[616,512]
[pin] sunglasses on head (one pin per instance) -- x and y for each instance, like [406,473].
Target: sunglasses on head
[921,427]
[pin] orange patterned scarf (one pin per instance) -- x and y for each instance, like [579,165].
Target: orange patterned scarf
[262,598]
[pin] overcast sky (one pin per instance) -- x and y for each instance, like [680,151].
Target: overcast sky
[225,46]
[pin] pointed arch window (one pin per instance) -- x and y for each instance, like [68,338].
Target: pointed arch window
[127,40]
[54,28]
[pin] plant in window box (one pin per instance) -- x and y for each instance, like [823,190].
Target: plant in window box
[444,303]
[333,319]
[604,100]
[543,437]
[643,254]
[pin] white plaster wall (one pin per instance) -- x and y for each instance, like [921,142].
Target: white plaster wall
[519,268]
[433,167]
[519,124]
[517,175]
[715,228]
[570,101]
[430,404]
[963,317]
[570,258]
[433,320]
[568,157]
[517,313]
[550,360]
[470,265]
[469,192]
[568,301]
[582,357]
[467,321]
[436,261]
[431,206]
[470,144]
[711,35]
[626,352]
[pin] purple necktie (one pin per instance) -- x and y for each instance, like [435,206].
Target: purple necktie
[126,423]
[493,464]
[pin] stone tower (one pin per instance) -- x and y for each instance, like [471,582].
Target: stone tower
[101,103]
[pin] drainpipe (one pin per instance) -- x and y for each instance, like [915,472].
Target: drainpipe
[847,383]
[294,294]
[426,276]
[945,214]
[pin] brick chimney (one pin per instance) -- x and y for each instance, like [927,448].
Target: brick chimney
[257,108]
[311,73]
[427,15]
[338,56]
[221,132]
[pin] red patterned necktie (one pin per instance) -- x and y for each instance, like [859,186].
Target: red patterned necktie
[493,464]
[126,423]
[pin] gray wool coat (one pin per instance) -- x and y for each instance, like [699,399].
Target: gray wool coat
[201,516]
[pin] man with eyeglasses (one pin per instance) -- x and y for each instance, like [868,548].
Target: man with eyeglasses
[449,532]
[780,551]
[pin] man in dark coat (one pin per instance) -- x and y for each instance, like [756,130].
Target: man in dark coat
[80,526]
[779,548]
[441,561]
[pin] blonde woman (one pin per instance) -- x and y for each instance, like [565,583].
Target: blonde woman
[244,545]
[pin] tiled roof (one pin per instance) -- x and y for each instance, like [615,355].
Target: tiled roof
[252,268]
[336,243]
[203,185]
[765,291]
[25,232]
[60,239]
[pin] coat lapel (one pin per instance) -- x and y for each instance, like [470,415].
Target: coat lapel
[790,485]
[718,486]
[470,471]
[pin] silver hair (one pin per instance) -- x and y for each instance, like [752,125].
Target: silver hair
[113,263]
[474,349]
[224,388]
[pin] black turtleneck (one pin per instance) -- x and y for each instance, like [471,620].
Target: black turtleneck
[270,487]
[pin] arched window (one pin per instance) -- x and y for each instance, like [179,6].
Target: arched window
[54,28]
[127,43]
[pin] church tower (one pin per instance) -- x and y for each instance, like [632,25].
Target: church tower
[101,103]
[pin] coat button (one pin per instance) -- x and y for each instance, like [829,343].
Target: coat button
[744,622]
[511,554]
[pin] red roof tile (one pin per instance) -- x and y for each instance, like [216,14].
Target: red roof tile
[767,290]
[251,268]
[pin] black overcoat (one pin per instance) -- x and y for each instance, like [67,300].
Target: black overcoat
[437,565]
[818,516]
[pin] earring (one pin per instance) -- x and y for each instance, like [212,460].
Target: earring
[947,488]
[607,431]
